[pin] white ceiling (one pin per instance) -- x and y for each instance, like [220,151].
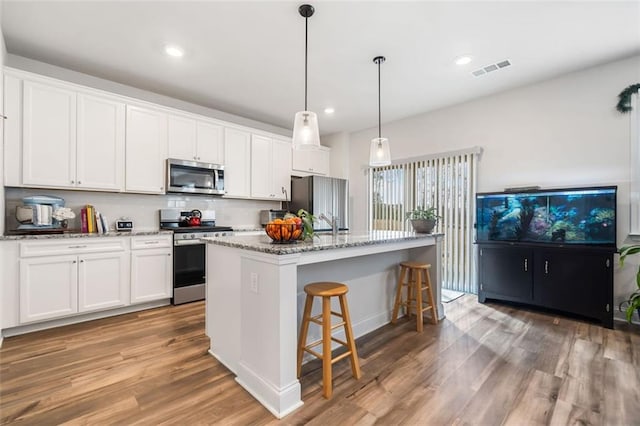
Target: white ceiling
[247,58]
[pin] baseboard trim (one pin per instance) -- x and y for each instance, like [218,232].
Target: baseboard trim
[29,328]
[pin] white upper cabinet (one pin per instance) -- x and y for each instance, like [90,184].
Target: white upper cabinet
[237,161]
[69,139]
[49,135]
[62,135]
[195,140]
[210,142]
[146,150]
[311,161]
[181,133]
[100,143]
[270,168]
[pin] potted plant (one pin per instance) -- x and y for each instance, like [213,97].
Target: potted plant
[423,220]
[633,302]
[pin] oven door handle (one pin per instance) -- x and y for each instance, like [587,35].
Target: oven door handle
[188,242]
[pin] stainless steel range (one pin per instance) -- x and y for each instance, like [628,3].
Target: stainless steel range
[189,251]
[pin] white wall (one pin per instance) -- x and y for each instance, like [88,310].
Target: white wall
[339,162]
[558,133]
[3,55]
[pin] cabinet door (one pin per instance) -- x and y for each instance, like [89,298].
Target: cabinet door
[281,161]
[181,136]
[100,144]
[210,143]
[49,136]
[310,161]
[146,150]
[151,275]
[301,160]
[48,287]
[261,167]
[321,161]
[237,162]
[103,281]
[574,281]
[506,271]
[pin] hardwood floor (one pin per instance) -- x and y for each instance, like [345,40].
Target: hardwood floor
[484,364]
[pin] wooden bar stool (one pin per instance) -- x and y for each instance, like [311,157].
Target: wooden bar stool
[415,286]
[327,290]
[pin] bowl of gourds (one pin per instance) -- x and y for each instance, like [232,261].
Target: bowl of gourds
[287,230]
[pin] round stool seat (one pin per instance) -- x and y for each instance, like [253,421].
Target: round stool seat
[415,265]
[326,289]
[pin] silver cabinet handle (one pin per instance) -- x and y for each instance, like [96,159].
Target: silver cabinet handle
[546,266]
[73,247]
[526,264]
[152,242]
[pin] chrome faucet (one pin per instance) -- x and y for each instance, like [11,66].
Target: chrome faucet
[333,222]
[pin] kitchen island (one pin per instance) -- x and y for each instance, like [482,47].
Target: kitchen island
[255,298]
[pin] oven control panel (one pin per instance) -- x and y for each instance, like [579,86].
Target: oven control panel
[198,235]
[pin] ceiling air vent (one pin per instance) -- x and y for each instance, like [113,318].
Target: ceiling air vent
[490,68]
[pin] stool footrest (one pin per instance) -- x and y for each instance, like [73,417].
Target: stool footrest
[341,356]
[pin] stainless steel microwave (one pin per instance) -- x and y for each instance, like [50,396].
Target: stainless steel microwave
[194,177]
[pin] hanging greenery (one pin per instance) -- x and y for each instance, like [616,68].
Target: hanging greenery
[624,102]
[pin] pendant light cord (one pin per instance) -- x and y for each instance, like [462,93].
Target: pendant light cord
[306,21]
[379,109]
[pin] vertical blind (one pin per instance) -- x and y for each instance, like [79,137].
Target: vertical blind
[446,182]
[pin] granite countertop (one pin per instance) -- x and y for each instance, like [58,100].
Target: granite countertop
[69,235]
[323,241]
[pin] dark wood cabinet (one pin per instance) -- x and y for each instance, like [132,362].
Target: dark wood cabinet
[507,272]
[574,280]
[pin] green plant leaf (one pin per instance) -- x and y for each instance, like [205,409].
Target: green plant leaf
[627,251]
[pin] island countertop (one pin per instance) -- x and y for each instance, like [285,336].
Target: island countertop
[321,241]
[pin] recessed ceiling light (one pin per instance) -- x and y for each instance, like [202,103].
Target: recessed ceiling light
[329,110]
[173,50]
[463,60]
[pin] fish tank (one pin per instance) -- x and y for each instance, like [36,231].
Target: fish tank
[580,216]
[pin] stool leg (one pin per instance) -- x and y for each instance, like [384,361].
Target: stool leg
[398,302]
[434,308]
[351,343]
[304,329]
[418,286]
[326,347]
[411,289]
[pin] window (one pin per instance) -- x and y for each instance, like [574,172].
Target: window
[446,182]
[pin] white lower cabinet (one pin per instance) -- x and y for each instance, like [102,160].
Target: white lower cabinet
[48,287]
[89,276]
[151,268]
[103,281]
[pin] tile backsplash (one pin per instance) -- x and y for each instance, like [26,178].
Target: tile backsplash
[141,208]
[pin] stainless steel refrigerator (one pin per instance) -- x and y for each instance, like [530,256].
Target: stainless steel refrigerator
[320,194]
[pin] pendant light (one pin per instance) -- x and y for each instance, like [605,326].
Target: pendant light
[379,154]
[305,123]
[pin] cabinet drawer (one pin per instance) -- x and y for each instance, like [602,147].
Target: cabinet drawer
[71,246]
[151,242]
